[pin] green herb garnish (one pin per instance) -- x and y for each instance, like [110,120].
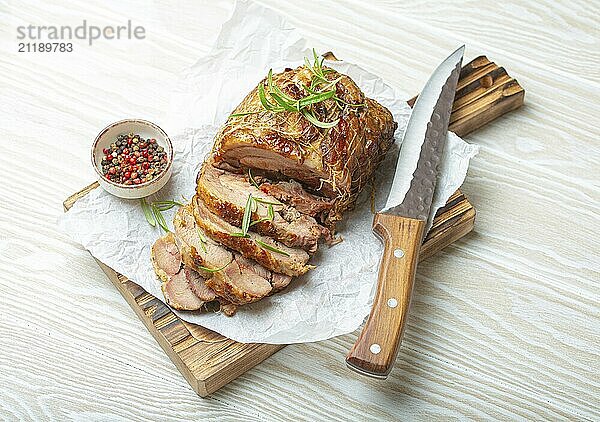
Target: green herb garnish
[264,201]
[270,216]
[165,205]
[252,181]
[213,270]
[160,219]
[153,212]
[148,213]
[247,215]
[310,116]
[320,89]
[270,248]
[202,239]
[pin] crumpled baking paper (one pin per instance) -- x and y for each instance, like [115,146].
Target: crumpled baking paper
[336,296]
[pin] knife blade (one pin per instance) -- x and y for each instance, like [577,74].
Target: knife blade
[401,223]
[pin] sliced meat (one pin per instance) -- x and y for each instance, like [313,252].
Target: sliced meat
[336,163]
[241,284]
[179,295]
[198,286]
[183,288]
[292,193]
[165,256]
[280,281]
[197,251]
[289,261]
[241,281]
[226,194]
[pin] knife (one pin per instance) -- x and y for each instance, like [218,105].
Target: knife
[401,223]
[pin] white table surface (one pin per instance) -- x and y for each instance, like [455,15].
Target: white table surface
[505,324]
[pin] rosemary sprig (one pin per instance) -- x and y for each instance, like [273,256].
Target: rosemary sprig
[153,212]
[321,89]
[271,248]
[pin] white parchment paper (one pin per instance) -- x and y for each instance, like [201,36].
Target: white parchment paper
[329,301]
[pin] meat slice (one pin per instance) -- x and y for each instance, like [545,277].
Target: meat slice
[179,295]
[336,162]
[292,193]
[226,194]
[197,249]
[198,285]
[289,261]
[165,256]
[241,281]
[183,288]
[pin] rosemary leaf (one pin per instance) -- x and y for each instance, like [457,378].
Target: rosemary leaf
[316,98]
[283,103]
[247,215]
[270,212]
[213,270]
[309,89]
[160,219]
[166,205]
[307,64]
[270,248]
[148,213]
[270,216]
[202,239]
[252,181]
[239,234]
[332,83]
[263,98]
[311,118]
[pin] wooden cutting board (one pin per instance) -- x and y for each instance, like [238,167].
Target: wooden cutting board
[208,360]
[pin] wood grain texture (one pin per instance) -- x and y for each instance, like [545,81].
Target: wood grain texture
[504,323]
[484,92]
[375,350]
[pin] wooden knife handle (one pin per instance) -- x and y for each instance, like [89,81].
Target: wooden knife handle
[375,350]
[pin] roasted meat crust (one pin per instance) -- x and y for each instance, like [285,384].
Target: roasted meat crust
[336,163]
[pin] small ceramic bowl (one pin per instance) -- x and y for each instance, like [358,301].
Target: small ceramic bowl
[145,129]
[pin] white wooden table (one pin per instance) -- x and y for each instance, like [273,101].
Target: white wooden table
[505,324]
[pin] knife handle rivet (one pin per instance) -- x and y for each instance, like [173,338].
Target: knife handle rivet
[375,348]
[398,253]
[392,302]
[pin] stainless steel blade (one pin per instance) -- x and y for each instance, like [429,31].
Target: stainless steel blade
[423,143]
